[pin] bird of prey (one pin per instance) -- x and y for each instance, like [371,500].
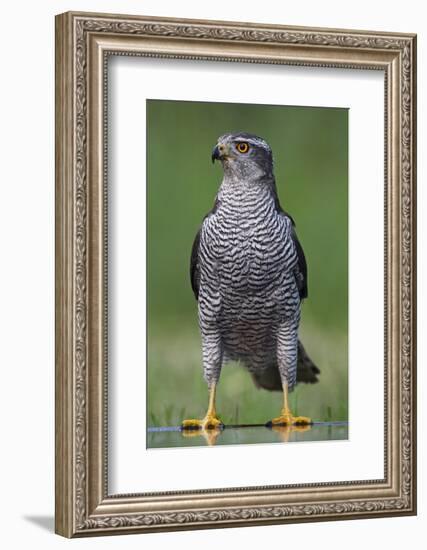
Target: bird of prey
[249,275]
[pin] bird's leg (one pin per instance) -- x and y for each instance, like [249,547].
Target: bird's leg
[286,417]
[211,412]
[212,362]
[287,355]
[210,420]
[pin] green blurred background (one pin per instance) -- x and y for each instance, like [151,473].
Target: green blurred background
[310,149]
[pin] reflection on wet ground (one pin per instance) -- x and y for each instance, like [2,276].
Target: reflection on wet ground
[245,434]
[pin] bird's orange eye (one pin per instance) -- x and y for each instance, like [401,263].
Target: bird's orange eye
[242,147]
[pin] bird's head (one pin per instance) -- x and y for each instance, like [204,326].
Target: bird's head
[244,156]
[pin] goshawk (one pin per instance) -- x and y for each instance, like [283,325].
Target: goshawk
[249,275]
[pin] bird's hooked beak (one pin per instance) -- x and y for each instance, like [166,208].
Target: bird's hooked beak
[215,154]
[220,152]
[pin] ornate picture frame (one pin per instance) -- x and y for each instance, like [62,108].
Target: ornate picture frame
[84,506]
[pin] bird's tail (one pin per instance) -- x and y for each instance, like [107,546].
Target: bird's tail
[269,379]
[307,371]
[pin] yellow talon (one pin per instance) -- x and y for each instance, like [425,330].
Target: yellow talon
[286,418]
[210,421]
[192,424]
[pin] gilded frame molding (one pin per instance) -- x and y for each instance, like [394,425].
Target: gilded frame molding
[83,42]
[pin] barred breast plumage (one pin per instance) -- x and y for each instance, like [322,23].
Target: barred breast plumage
[248,286]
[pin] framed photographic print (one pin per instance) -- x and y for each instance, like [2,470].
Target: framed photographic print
[235,274]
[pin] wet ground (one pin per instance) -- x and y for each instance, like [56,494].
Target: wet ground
[245,434]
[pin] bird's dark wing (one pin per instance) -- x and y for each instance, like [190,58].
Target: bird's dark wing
[194,265]
[301,274]
[302,265]
[194,260]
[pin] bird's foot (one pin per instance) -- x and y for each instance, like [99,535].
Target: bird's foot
[209,422]
[288,419]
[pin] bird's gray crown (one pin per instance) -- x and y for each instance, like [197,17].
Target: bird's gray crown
[252,139]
